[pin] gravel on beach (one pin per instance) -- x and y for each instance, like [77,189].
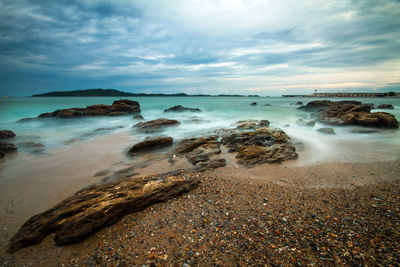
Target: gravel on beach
[235,221]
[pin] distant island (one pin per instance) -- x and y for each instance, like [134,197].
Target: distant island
[349,94]
[113,92]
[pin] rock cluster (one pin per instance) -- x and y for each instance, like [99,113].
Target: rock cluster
[252,141]
[119,107]
[350,113]
[155,125]
[180,108]
[263,145]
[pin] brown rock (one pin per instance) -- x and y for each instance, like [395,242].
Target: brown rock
[99,206]
[6,134]
[155,125]
[188,145]
[264,145]
[351,113]
[150,144]
[119,107]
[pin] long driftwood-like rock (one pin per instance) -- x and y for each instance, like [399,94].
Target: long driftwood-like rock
[98,206]
[119,107]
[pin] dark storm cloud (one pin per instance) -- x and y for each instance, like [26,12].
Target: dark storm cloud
[186,45]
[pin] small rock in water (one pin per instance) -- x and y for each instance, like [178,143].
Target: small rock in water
[254,104]
[385,106]
[302,122]
[326,130]
[6,134]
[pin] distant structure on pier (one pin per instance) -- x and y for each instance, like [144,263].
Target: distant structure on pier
[348,94]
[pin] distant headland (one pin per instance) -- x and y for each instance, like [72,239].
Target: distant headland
[349,94]
[113,92]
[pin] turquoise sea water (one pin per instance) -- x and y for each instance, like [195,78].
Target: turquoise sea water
[217,112]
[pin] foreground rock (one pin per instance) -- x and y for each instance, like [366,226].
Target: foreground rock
[99,206]
[150,144]
[180,108]
[155,125]
[350,113]
[6,134]
[6,148]
[119,107]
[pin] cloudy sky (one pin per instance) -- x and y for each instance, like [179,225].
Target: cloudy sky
[268,47]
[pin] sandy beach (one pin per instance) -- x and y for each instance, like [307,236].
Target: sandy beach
[323,214]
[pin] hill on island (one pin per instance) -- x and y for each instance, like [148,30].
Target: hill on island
[113,92]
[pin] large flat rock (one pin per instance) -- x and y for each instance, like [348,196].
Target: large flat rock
[119,107]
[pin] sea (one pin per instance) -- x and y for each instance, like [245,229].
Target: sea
[114,135]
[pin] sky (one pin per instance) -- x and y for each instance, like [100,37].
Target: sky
[269,47]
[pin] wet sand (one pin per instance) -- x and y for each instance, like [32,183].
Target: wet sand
[265,214]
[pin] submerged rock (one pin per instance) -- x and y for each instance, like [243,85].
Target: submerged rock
[150,144]
[350,113]
[108,128]
[385,106]
[119,107]
[326,130]
[6,134]
[6,148]
[254,104]
[32,147]
[180,108]
[302,122]
[299,103]
[102,173]
[155,125]
[364,131]
[138,117]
